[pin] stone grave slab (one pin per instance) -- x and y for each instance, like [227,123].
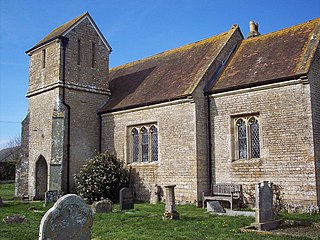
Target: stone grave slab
[215,206]
[69,218]
[103,206]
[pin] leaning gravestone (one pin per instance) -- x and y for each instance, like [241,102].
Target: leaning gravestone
[215,206]
[103,206]
[265,217]
[126,199]
[69,218]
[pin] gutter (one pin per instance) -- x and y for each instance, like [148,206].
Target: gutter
[64,41]
[256,84]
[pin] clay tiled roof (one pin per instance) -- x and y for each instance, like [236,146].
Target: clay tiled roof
[58,31]
[163,77]
[270,58]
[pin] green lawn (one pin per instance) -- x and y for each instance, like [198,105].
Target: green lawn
[6,190]
[144,222]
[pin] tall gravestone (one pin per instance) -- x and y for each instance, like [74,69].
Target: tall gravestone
[265,217]
[170,208]
[126,199]
[69,218]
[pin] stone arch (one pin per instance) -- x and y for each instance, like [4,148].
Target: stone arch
[41,178]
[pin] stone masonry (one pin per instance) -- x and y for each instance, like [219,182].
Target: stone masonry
[287,156]
[68,82]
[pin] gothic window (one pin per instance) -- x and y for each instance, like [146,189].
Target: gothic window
[135,145]
[144,144]
[154,143]
[247,137]
[254,137]
[242,139]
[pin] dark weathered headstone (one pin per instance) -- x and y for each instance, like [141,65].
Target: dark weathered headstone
[69,218]
[51,196]
[265,217]
[126,199]
[170,208]
[215,206]
[103,206]
[1,202]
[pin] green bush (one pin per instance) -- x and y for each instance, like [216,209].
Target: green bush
[7,170]
[102,177]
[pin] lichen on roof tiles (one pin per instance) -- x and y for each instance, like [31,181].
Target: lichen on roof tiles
[278,55]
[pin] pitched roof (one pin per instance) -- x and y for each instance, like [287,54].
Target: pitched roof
[63,29]
[272,57]
[163,77]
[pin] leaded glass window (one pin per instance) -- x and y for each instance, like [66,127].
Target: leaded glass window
[154,143]
[242,139]
[135,145]
[254,137]
[144,144]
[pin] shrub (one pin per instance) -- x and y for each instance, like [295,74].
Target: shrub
[102,177]
[7,170]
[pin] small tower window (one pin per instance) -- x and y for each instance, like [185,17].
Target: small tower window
[79,51]
[93,55]
[43,58]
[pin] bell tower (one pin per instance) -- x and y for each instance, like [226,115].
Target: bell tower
[68,82]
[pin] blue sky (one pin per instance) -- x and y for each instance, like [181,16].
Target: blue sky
[135,29]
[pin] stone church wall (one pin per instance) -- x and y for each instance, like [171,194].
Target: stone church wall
[177,147]
[314,78]
[40,127]
[84,129]
[286,139]
[86,91]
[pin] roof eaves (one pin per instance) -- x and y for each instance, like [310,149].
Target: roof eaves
[256,84]
[101,111]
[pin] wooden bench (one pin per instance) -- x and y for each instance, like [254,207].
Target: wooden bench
[223,192]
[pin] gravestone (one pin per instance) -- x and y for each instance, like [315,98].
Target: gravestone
[103,206]
[264,211]
[1,202]
[155,195]
[126,199]
[215,206]
[170,208]
[51,196]
[69,218]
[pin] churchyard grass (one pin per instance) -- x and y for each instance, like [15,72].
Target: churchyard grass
[144,222]
[6,190]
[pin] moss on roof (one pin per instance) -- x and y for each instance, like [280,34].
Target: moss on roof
[274,56]
[59,31]
[165,76]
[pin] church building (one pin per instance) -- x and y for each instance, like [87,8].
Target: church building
[226,109]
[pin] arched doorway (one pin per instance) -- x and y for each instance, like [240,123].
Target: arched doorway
[41,178]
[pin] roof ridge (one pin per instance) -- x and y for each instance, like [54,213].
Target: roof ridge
[170,51]
[282,30]
[59,31]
